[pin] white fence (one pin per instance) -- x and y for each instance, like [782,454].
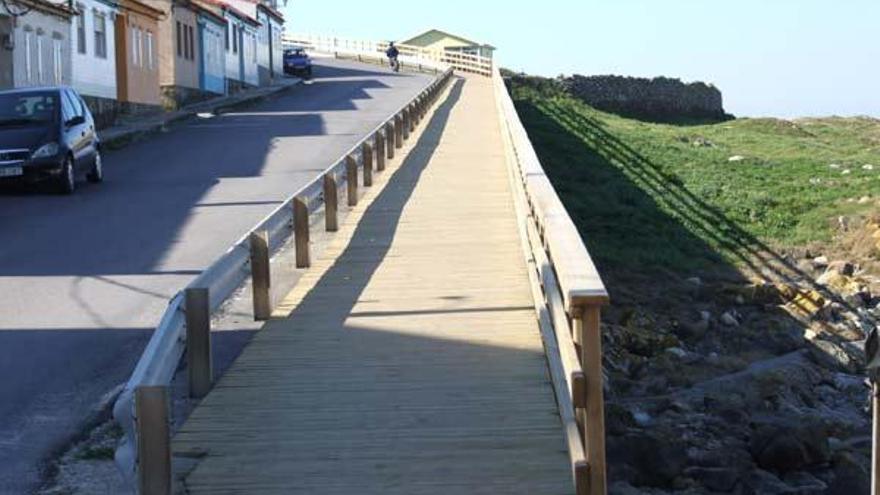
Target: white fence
[460,61]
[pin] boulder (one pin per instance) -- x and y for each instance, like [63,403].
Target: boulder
[729,319]
[716,479]
[841,267]
[656,460]
[850,477]
[837,356]
[783,448]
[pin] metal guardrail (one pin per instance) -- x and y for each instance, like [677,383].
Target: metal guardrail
[163,353]
[568,293]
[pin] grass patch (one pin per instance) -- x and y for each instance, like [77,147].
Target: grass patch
[659,196]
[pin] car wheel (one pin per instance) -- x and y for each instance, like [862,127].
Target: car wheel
[97,173]
[67,181]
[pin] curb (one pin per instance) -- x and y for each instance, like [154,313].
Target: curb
[123,138]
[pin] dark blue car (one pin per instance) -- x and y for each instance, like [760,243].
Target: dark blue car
[297,62]
[48,134]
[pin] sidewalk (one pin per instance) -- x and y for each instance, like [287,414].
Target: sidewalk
[139,126]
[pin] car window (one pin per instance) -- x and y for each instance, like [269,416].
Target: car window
[83,105]
[76,103]
[28,108]
[67,110]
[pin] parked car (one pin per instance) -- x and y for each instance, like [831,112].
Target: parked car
[297,62]
[48,134]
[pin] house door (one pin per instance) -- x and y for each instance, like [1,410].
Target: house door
[6,40]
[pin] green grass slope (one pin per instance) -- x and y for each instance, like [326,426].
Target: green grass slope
[661,196]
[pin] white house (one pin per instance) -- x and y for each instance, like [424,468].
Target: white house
[34,44]
[93,39]
[241,49]
[271,53]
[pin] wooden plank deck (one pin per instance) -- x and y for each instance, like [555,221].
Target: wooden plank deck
[408,359]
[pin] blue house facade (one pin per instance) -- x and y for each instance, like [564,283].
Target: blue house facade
[212,39]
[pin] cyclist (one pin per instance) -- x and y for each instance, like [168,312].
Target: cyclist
[392,54]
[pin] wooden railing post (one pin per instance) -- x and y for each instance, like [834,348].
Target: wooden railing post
[367,155]
[398,131]
[153,440]
[331,203]
[411,119]
[351,178]
[587,323]
[379,142]
[197,304]
[301,231]
[260,275]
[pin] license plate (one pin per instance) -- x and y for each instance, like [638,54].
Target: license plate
[10,172]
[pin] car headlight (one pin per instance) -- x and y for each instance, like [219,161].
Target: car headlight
[46,150]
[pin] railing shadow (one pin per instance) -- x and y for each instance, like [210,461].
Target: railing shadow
[756,259]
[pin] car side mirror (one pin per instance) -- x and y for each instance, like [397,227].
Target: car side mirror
[78,120]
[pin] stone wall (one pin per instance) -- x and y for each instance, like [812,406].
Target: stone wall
[108,112]
[661,98]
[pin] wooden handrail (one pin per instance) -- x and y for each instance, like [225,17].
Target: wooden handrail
[569,293]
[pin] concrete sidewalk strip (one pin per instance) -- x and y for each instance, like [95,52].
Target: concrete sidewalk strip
[121,134]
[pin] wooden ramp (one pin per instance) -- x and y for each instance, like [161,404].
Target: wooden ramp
[408,360]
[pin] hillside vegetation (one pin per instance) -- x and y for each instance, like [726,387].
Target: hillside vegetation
[695,191]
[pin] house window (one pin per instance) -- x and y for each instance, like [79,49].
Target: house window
[136,47]
[150,50]
[226,36]
[192,43]
[57,61]
[40,58]
[28,66]
[81,29]
[100,35]
[234,38]
[179,40]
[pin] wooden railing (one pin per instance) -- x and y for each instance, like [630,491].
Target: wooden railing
[142,408]
[569,294]
[464,62]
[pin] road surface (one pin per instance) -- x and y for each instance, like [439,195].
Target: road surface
[84,279]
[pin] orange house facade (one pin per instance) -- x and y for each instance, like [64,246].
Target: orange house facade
[137,58]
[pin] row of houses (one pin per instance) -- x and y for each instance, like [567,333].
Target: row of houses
[127,55]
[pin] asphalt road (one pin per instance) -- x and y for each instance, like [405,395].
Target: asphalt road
[85,278]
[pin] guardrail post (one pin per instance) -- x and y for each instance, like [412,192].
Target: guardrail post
[331,203]
[416,114]
[351,177]
[367,154]
[153,440]
[260,275]
[587,323]
[301,231]
[390,132]
[379,141]
[398,131]
[407,119]
[197,303]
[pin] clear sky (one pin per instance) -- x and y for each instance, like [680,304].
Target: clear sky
[782,58]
